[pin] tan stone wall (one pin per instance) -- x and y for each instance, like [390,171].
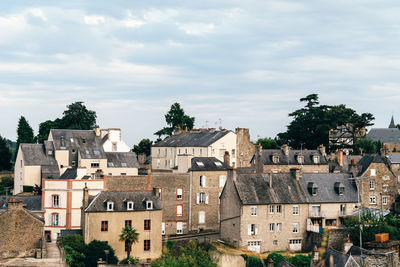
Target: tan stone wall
[116,221]
[391,146]
[127,183]
[245,150]
[322,168]
[20,232]
[381,170]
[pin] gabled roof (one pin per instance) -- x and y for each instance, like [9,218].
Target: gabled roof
[69,174]
[50,171]
[31,203]
[254,189]
[34,155]
[365,161]
[267,155]
[394,158]
[192,139]
[208,164]
[97,204]
[385,135]
[118,159]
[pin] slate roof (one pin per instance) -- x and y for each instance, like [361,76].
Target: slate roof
[365,161]
[192,139]
[292,159]
[394,158]
[339,259]
[34,155]
[31,203]
[50,171]
[327,191]
[97,204]
[254,189]
[385,135]
[118,158]
[208,164]
[69,174]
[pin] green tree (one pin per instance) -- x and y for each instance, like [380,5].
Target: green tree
[73,241]
[144,146]
[311,124]
[129,236]
[176,117]
[367,146]
[95,250]
[6,184]
[24,132]
[5,155]
[268,143]
[45,127]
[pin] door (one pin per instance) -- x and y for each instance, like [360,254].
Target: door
[254,246]
[47,235]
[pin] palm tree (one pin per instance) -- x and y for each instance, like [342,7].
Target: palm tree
[129,236]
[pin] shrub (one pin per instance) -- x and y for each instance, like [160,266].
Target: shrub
[170,245]
[276,257]
[254,262]
[301,260]
[73,241]
[130,260]
[74,258]
[27,188]
[95,250]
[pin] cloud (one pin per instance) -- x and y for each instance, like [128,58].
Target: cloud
[94,20]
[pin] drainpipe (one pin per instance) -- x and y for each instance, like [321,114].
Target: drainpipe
[190,199]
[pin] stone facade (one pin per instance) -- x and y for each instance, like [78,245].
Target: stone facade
[127,183]
[245,149]
[21,232]
[382,254]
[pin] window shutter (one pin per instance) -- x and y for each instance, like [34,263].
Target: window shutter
[50,204]
[204,184]
[197,198]
[249,229]
[256,229]
[59,201]
[206,198]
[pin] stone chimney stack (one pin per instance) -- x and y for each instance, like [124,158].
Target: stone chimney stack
[339,157]
[142,158]
[270,180]
[322,149]
[285,149]
[258,162]
[85,197]
[296,173]
[231,174]
[156,192]
[14,204]
[384,151]
[227,158]
[97,131]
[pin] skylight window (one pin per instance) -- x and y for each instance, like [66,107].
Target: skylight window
[199,163]
[123,164]
[110,164]
[96,152]
[218,164]
[72,140]
[87,152]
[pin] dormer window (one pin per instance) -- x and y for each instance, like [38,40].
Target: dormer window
[312,189]
[110,164]
[72,140]
[96,152]
[149,205]
[73,151]
[129,205]
[109,205]
[339,188]
[218,164]
[84,141]
[300,159]
[123,164]
[316,159]
[275,159]
[50,152]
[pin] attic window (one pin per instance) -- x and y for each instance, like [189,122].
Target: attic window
[84,141]
[72,140]
[109,205]
[312,188]
[339,188]
[96,152]
[275,159]
[199,163]
[73,151]
[149,205]
[50,152]
[300,159]
[87,152]
[110,164]
[123,164]
[218,164]
[316,159]
[129,205]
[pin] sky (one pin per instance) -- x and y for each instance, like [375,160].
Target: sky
[229,63]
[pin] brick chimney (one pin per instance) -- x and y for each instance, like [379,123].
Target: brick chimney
[285,149]
[321,148]
[339,157]
[85,197]
[14,204]
[227,158]
[296,173]
[258,162]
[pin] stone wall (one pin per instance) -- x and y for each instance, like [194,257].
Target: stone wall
[337,238]
[245,149]
[312,239]
[127,183]
[382,254]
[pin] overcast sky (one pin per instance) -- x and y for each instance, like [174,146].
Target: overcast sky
[244,62]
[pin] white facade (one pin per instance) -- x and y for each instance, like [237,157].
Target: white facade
[114,141]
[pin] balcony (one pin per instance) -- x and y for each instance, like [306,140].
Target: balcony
[317,214]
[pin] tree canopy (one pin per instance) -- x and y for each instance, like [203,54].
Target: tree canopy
[144,147]
[311,124]
[176,117]
[76,116]
[24,132]
[5,155]
[268,143]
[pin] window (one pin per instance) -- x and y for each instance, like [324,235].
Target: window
[295,210]
[104,226]
[129,205]
[179,193]
[201,151]
[50,153]
[158,162]
[252,229]
[372,200]
[146,224]
[123,173]
[373,172]
[316,159]
[271,227]
[166,151]
[222,180]
[275,242]
[384,200]
[203,181]
[295,227]
[179,228]
[202,198]
[314,191]
[372,185]
[202,217]
[271,208]
[233,152]
[55,219]
[123,164]
[149,204]
[171,163]
[179,210]
[114,147]
[200,164]
[110,205]
[218,164]
[278,208]
[165,163]
[95,164]
[84,141]
[96,152]
[386,177]
[163,228]
[110,164]
[146,245]
[385,188]
[73,151]
[73,163]
[300,159]
[128,223]
[56,201]
[275,159]
[279,227]
[295,241]
[254,211]
[193,151]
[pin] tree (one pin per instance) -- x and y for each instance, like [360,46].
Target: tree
[5,155]
[311,125]
[95,250]
[268,143]
[367,146]
[144,146]
[45,127]
[24,132]
[129,236]
[176,117]
[6,184]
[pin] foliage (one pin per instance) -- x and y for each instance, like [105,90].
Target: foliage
[254,261]
[191,255]
[24,133]
[6,184]
[311,125]
[75,242]
[176,117]
[276,257]
[76,116]
[129,236]
[268,143]
[130,260]
[170,245]
[301,260]
[5,155]
[73,257]
[27,188]
[95,250]
[367,146]
[144,146]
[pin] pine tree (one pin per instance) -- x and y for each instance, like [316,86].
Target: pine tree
[5,155]
[24,132]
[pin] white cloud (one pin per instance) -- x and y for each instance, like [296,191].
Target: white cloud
[94,20]
[196,28]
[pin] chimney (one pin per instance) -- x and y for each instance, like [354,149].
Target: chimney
[227,158]
[231,174]
[296,173]
[258,162]
[322,149]
[14,204]
[177,129]
[97,131]
[285,149]
[142,158]
[270,180]
[384,150]
[270,262]
[156,191]
[85,197]
[339,157]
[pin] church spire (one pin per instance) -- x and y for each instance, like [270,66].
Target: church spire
[392,125]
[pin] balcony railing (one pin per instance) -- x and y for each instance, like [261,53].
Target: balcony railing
[318,214]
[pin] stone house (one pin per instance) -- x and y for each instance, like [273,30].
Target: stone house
[390,137]
[284,159]
[106,214]
[245,149]
[76,153]
[378,185]
[33,204]
[273,212]
[21,231]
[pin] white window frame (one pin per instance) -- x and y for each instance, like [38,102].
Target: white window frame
[179,193]
[254,211]
[271,227]
[55,219]
[278,208]
[149,205]
[295,227]
[110,206]
[203,179]
[279,227]
[55,201]
[271,209]
[179,228]
[372,200]
[222,180]
[372,185]
[158,162]
[296,210]
[202,217]
[179,210]
[385,200]
[373,172]
[385,177]
[162,228]
[129,205]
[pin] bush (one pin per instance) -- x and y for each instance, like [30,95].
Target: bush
[27,188]
[130,260]
[73,241]
[301,260]
[6,185]
[276,257]
[95,250]
[74,258]
[254,262]
[170,245]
